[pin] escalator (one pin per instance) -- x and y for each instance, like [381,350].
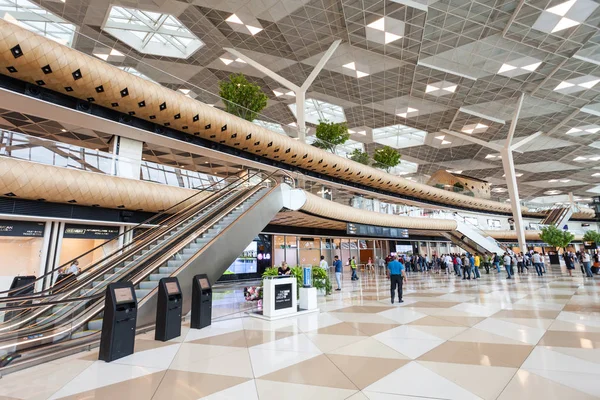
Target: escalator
[558,216]
[472,239]
[203,234]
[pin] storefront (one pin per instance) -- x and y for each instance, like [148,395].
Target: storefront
[253,261]
[21,249]
[87,243]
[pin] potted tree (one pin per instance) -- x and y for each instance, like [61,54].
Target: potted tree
[242,98]
[386,158]
[558,239]
[360,156]
[330,135]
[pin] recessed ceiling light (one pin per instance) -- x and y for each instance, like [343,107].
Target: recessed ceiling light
[63,130]
[277,93]
[115,52]
[184,91]
[580,158]
[253,29]
[101,56]
[379,24]
[532,67]
[351,66]
[505,68]
[205,162]
[590,84]
[553,180]
[596,174]
[451,88]
[240,60]
[440,137]
[390,37]
[565,180]
[291,93]
[430,88]
[361,74]
[446,142]
[564,23]
[234,19]
[480,126]
[562,8]
[411,110]
[564,85]
[552,192]
[226,61]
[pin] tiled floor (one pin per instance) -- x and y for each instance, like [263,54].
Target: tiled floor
[530,338]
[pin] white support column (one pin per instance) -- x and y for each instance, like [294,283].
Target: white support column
[127,157]
[511,177]
[300,116]
[300,91]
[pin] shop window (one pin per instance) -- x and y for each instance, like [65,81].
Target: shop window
[80,239]
[494,223]
[21,244]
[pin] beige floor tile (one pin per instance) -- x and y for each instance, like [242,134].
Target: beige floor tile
[434,321]
[142,388]
[485,382]
[526,314]
[462,321]
[343,328]
[434,304]
[528,386]
[185,385]
[571,326]
[531,322]
[584,340]
[369,347]
[477,335]
[233,339]
[327,343]
[442,332]
[363,317]
[317,371]
[363,309]
[592,355]
[586,308]
[255,337]
[363,371]
[486,354]
[372,329]
[271,390]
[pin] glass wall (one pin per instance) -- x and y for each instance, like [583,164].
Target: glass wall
[79,239]
[21,246]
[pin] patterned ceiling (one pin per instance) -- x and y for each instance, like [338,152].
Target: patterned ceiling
[461,64]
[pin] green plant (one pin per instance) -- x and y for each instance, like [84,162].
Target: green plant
[386,158]
[556,237]
[330,135]
[241,97]
[439,186]
[459,186]
[321,280]
[591,236]
[360,156]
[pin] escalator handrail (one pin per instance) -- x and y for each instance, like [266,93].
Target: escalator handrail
[128,252]
[146,222]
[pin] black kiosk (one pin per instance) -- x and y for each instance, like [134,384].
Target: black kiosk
[168,310]
[118,325]
[201,302]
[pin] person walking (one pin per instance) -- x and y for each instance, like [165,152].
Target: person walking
[449,263]
[497,262]
[380,265]
[475,261]
[337,265]
[520,263]
[587,264]
[507,261]
[466,267]
[536,259]
[323,264]
[570,262]
[397,276]
[353,267]
[74,268]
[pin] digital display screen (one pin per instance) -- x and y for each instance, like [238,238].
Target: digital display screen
[172,287]
[283,296]
[204,283]
[123,295]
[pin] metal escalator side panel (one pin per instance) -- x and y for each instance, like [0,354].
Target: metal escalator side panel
[490,246]
[220,252]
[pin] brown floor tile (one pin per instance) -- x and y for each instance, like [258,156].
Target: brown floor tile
[372,329]
[433,321]
[584,340]
[232,339]
[254,338]
[344,328]
[526,314]
[141,388]
[318,371]
[424,294]
[363,371]
[185,385]
[433,304]
[595,308]
[364,309]
[488,354]
[462,321]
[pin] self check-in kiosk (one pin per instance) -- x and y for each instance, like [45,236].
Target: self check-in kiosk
[168,310]
[118,325]
[201,302]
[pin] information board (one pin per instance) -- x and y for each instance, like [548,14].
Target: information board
[73,231]
[283,296]
[376,231]
[123,295]
[22,228]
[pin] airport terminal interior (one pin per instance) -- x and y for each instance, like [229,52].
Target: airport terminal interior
[300,199]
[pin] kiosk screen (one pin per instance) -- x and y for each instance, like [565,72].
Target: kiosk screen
[204,284]
[123,295]
[172,287]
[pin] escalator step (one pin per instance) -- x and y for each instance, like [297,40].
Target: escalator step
[158,277]
[141,293]
[167,270]
[175,263]
[148,285]
[95,325]
[82,334]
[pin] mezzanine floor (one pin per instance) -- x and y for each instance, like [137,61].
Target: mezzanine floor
[530,338]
